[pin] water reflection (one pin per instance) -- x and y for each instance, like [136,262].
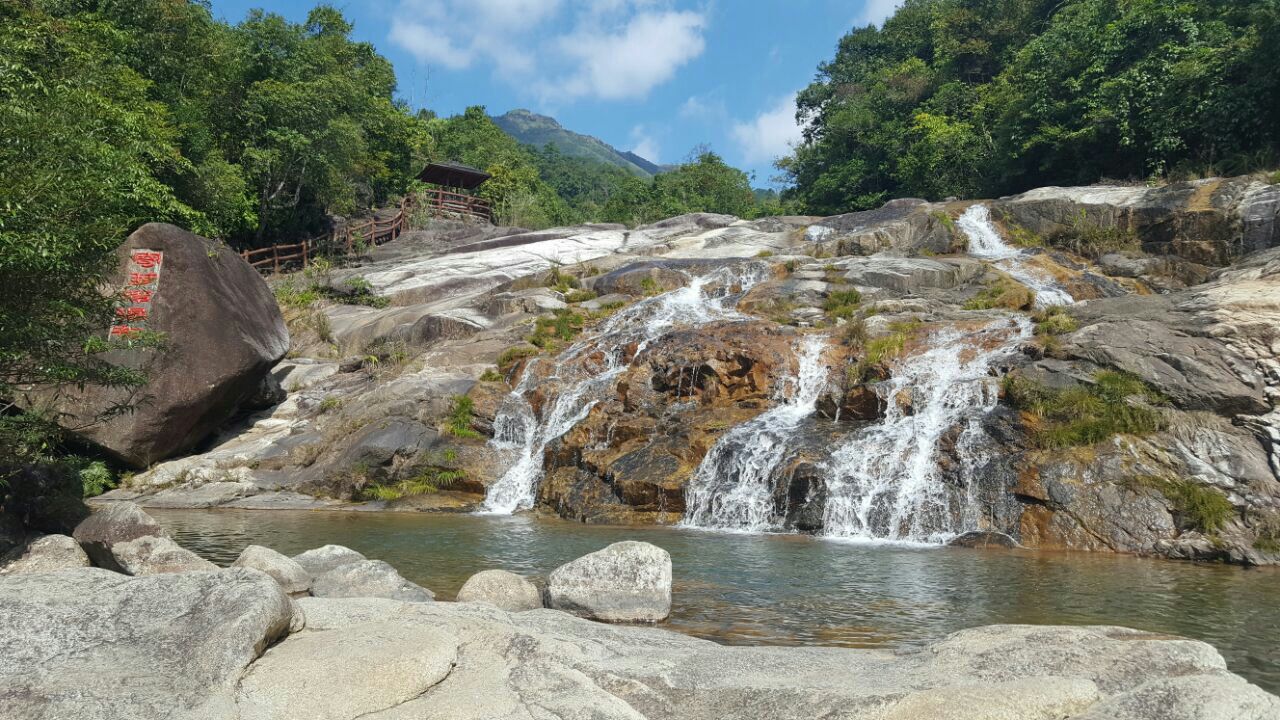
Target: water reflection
[792,590]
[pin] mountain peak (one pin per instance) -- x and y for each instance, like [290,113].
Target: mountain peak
[530,128]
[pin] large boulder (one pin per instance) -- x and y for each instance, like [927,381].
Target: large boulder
[95,645]
[347,673]
[625,582]
[288,572]
[321,560]
[44,554]
[223,332]
[152,555]
[115,523]
[368,579]
[501,589]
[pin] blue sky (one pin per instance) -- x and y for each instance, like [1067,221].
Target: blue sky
[654,76]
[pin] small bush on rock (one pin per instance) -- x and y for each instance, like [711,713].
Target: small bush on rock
[841,304]
[458,423]
[1054,321]
[1199,507]
[1003,294]
[1084,415]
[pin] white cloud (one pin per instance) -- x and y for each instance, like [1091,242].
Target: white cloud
[643,144]
[771,134]
[702,107]
[874,12]
[613,49]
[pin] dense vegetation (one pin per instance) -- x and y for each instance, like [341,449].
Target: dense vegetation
[979,98]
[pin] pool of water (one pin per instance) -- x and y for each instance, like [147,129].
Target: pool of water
[793,590]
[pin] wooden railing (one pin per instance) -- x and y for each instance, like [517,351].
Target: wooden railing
[354,238]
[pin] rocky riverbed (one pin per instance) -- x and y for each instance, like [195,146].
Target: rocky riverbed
[331,634]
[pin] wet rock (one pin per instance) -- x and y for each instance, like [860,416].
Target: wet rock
[150,555]
[369,579]
[46,553]
[346,673]
[96,645]
[532,301]
[115,523]
[644,278]
[321,560]
[983,539]
[293,578]
[501,589]
[910,275]
[625,582]
[223,332]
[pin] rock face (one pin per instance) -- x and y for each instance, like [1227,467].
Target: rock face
[344,674]
[112,524]
[96,645]
[293,578]
[321,560]
[223,332]
[150,555]
[47,553]
[368,579]
[625,582]
[502,589]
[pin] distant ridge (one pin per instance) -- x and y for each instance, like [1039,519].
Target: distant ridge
[530,128]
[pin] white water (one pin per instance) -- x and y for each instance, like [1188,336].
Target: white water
[586,370]
[985,243]
[886,482]
[733,486]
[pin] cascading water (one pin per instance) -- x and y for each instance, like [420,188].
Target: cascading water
[588,368]
[985,243]
[886,481]
[732,487]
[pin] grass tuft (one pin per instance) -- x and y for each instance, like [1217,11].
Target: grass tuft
[1085,415]
[1003,294]
[458,422]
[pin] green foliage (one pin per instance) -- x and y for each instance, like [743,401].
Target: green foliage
[576,296]
[513,355]
[1085,415]
[1054,320]
[973,99]
[458,422]
[491,375]
[1093,240]
[96,478]
[765,254]
[1266,529]
[841,304]
[360,292]
[435,475]
[1197,506]
[1003,294]
[330,403]
[649,286]
[561,326]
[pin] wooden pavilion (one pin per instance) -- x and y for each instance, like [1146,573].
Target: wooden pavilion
[452,192]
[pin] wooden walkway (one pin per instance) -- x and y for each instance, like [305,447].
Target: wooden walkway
[354,239]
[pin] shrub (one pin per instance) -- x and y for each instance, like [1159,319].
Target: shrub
[458,422]
[427,479]
[360,292]
[765,254]
[561,282]
[577,296]
[1266,530]
[96,478]
[289,295]
[1197,506]
[330,403]
[1089,239]
[1084,415]
[513,355]
[1054,321]
[561,326]
[1004,294]
[841,304]
[649,286]
[491,375]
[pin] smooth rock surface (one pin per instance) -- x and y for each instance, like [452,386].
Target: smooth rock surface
[47,553]
[346,673]
[91,644]
[368,579]
[155,556]
[625,582]
[293,578]
[115,523]
[502,589]
[321,560]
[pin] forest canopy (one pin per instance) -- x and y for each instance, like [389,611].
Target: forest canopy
[978,98]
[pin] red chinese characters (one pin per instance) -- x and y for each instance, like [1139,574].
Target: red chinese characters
[142,285]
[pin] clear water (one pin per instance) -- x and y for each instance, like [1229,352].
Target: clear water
[733,485]
[985,243]
[886,480]
[585,371]
[793,590]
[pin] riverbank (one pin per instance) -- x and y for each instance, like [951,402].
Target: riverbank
[191,642]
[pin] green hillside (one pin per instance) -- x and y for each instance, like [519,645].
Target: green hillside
[530,128]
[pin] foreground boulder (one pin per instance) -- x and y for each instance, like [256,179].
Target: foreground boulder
[544,664]
[502,589]
[321,560]
[47,553]
[284,570]
[115,523]
[95,645]
[152,555]
[368,579]
[625,582]
[223,332]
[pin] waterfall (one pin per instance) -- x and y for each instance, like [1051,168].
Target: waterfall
[985,243]
[885,481]
[586,370]
[733,486]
